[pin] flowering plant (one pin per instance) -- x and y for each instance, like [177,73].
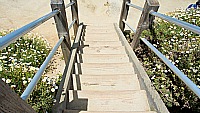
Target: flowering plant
[182,48]
[18,64]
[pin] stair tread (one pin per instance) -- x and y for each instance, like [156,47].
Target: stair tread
[104,58]
[105,68]
[108,82]
[101,43]
[118,100]
[96,30]
[103,50]
[78,111]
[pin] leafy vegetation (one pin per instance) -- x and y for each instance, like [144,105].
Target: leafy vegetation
[182,48]
[18,64]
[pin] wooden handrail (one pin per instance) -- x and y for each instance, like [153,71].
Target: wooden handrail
[62,95]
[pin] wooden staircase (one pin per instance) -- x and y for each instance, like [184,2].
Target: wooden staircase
[104,80]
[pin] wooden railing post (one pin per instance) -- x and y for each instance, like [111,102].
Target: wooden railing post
[145,21]
[74,9]
[62,27]
[124,14]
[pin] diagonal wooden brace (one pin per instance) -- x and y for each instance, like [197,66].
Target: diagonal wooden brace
[146,20]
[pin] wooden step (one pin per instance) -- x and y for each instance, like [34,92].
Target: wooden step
[100,37]
[104,68]
[103,50]
[109,35]
[99,30]
[106,82]
[103,58]
[101,43]
[78,111]
[108,100]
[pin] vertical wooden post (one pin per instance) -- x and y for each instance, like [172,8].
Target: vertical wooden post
[62,27]
[145,21]
[74,9]
[124,14]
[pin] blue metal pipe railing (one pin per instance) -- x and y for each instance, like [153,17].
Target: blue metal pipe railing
[134,6]
[39,73]
[180,74]
[12,37]
[70,4]
[188,26]
[70,26]
[34,81]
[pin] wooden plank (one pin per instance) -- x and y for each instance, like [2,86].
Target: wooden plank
[108,100]
[10,102]
[103,50]
[101,43]
[105,68]
[94,34]
[96,29]
[78,111]
[104,58]
[62,27]
[146,20]
[106,82]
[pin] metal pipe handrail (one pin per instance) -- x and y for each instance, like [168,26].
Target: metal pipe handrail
[12,37]
[129,26]
[70,4]
[70,26]
[180,74]
[180,23]
[134,6]
[34,81]
[39,73]
[186,25]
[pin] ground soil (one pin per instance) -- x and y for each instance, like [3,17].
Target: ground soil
[17,13]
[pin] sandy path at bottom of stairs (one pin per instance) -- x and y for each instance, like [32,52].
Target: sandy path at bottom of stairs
[16,13]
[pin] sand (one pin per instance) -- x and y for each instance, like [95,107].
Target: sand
[17,13]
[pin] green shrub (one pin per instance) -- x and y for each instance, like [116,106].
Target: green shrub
[182,48]
[18,64]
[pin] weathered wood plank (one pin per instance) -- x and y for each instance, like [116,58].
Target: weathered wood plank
[106,68]
[101,43]
[106,82]
[116,100]
[103,50]
[103,58]
[77,111]
[10,102]
[62,27]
